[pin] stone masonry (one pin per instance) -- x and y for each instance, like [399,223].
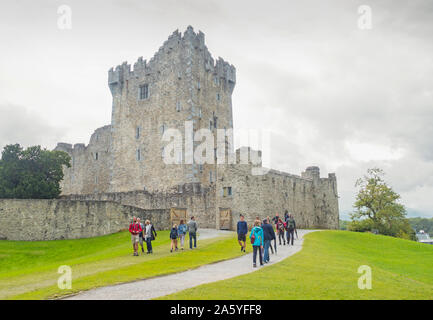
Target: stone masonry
[182,83]
[69,219]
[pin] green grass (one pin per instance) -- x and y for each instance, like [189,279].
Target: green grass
[326,268]
[28,270]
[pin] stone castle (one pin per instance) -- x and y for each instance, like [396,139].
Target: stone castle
[182,84]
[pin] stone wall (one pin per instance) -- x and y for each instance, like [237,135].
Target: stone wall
[197,199]
[312,200]
[70,219]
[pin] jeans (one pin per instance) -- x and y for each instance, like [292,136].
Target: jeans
[149,244]
[281,235]
[182,239]
[191,236]
[266,246]
[255,248]
[290,235]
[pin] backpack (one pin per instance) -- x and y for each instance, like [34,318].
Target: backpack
[291,224]
[253,237]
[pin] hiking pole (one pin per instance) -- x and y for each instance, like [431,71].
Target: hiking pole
[296,231]
[275,245]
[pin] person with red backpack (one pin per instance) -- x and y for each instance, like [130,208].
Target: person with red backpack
[135,229]
[256,237]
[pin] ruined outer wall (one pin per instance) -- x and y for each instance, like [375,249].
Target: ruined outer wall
[198,200]
[91,165]
[313,202]
[69,219]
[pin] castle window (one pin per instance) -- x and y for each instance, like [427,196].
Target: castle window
[138,155]
[215,120]
[227,191]
[210,124]
[178,106]
[199,113]
[162,129]
[137,132]
[96,156]
[143,92]
[210,177]
[198,85]
[200,167]
[218,97]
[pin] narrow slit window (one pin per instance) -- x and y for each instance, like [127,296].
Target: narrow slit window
[143,91]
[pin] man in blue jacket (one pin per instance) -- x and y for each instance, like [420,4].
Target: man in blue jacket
[242,229]
[268,236]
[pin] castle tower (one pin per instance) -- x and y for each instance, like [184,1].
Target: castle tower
[182,84]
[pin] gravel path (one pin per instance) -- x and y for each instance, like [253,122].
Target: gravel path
[161,286]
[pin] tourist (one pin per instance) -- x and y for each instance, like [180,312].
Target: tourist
[173,237]
[281,231]
[275,219]
[140,235]
[242,230]
[256,237]
[192,229]
[286,215]
[135,229]
[268,236]
[149,236]
[275,241]
[181,230]
[291,229]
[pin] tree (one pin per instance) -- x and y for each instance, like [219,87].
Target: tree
[377,208]
[33,173]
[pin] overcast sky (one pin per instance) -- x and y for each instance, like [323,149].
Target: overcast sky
[333,95]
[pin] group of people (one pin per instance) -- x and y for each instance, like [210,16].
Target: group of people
[179,233]
[145,232]
[142,232]
[262,234]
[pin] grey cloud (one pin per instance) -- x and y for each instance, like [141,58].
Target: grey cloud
[19,125]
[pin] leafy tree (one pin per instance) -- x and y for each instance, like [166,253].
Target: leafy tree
[377,208]
[33,173]
[422,224]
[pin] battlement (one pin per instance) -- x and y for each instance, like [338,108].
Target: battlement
[176,42]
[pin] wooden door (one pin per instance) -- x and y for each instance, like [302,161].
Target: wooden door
[225,219]
[177,214]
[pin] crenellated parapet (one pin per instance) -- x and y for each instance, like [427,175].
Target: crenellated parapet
[190,45]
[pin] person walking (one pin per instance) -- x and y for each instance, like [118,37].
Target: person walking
[173,237]
[256,237]
[270,247]
[135,229]
[268,236]
[291,228]
[281,231]
[181,230]
[242,230]
[286,215]
[192,229]
[275,219]
[149,236]
[140,235]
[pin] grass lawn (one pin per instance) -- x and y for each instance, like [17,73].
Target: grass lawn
[326,268]
[28,270]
